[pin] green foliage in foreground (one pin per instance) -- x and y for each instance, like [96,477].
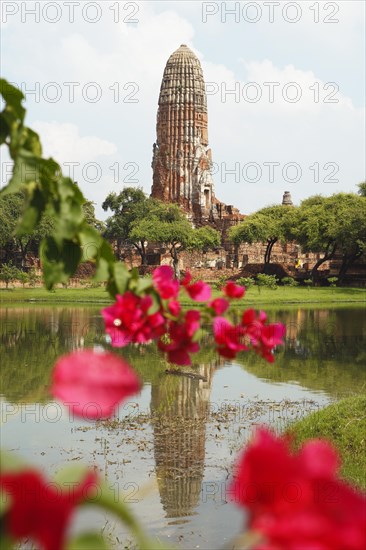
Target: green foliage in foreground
[344,424]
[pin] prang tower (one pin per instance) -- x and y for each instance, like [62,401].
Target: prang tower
[181,159]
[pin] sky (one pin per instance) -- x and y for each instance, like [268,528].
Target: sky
[285,86]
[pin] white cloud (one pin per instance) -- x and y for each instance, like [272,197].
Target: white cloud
[64,143]
[121,132]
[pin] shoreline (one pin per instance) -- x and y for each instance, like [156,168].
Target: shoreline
[282,296]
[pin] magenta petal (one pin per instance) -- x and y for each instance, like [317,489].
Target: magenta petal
[92,383]
[163,273]
[219,305]
[179,357]
[199,291]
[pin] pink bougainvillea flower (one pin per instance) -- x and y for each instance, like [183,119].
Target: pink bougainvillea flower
[233,290]
[296,500]
[93,383]
[174,307]
[40,510]
[272,334]
[198,291]
[128,320]
[253,325]
[228,338]
[263,338]
[219,305]
[164,282]
[186,279]
[181,342]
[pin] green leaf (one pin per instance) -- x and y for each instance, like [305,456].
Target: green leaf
[13,96]
[121,277]
[199,335]
[88,541]
[105,262]
[134,273]
[142,284]
[32,142]
[4,128]
[59,261]
[6,542]
[27,168]
[5,500]
[155,306]
[71,474]
[32,213]
[96,248]
[10,462]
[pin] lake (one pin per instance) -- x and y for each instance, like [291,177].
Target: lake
[169,452]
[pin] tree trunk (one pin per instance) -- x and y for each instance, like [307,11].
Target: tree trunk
[236,256]
[348,260]
[327,256]
[174,255]
[23,252]
[267,255]
[142,252]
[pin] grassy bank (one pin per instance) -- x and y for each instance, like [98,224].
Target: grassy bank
[344,424]
[281,296]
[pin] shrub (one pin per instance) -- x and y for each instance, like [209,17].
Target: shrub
[269,281]
[221,281]
[33,278]
[22,277]
[246,281]
[289,281]
[8,273]
[308,283]
[332,281]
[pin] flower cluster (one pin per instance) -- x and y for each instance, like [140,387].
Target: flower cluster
[180,336]
[252,332]
[296,500]
[38,509]
[93,383]
[130,320]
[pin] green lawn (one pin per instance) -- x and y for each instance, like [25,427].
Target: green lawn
[344,424]
[283,295]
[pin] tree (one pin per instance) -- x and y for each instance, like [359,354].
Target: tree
[314,229]
[362,189]
[8,273]
[268,225]
[11,211]
[89,213]
[172,229]
[327,225]
[350,229]
[129,205]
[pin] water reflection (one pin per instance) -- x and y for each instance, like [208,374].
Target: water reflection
[180,408]
[324,350]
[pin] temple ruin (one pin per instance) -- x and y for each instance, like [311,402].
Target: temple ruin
[182,162]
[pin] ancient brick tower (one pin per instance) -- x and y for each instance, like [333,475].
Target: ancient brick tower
[181,160]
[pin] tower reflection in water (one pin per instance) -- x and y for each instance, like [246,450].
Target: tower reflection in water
[180,410]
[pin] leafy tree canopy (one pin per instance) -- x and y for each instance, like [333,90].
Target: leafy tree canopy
[170,227]
[332,224]
[362,189]
[268,225]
